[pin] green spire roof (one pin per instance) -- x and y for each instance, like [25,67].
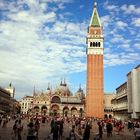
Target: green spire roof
[95,20]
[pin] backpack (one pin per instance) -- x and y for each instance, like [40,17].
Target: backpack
[72,136]
[14,127]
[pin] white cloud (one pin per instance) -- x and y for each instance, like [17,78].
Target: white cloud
[136,22]
[34,54]
[110,7]
[130,9]
[121,59]
[105,20]
[121,24]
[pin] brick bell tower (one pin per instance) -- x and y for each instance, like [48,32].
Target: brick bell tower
[94,83]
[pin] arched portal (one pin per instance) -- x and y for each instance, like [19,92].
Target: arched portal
[55,110]
[74,111]
[43,110]
[36,109]
[65,111]
[106,116]
[110,116]
[56,99]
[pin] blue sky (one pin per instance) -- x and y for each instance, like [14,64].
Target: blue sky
[43,41]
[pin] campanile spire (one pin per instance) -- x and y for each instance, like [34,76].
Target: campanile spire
[94,83]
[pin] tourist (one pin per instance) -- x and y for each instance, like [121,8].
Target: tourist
[109,128]
[86,135]
[0,119]
[15,128]
[55,131]
[19,129]
[137,133]
[37,126]
[31,134]
[100,130]
[61,129]
[72,135]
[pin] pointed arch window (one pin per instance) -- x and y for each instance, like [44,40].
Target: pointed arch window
[96,44]
[91,44]
[99,44]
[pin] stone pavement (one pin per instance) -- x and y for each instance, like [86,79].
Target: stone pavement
[7,133]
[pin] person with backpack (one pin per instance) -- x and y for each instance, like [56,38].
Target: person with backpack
[86,135]
[100,130]
[72,135]
[37,126]
[31,134]
[56,130]
[15,128]
[19,129]
[109,129]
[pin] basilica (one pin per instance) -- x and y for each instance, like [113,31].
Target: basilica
[57,102]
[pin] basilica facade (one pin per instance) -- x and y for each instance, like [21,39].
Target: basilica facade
[57,102]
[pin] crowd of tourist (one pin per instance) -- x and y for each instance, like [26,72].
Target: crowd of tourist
[80,128]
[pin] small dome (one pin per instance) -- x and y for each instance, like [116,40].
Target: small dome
[63,89]
[48,91]
[80,93]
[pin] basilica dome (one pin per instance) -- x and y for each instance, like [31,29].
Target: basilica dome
[63,89]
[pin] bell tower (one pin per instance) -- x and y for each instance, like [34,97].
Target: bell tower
[94,83]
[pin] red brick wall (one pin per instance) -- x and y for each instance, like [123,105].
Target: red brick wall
[95,90]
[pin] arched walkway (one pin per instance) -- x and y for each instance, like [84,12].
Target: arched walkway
[65,111]
[36,110]
[56,99]
[55,110]
[74,111]
[43,110]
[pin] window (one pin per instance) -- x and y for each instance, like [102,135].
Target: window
[91,44]
[96,44]
[99,44]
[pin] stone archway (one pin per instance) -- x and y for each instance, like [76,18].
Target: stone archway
[65,111]
[110,116]
[56,99]
[74,111]
[106,116]
[43,110]
[55,110]
[36,110]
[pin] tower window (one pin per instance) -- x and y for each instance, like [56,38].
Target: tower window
[99,44]
[91,44]
[94,44]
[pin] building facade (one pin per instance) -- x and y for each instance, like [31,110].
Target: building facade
[57,102]
[120,103]
[94,83]
[11,90]
[133,91]
[108,106]
[26,104]
[5,101]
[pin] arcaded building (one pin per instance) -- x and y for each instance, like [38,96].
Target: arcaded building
[58,102]
[108,106]
[5,101]
[133,92]
[120,103]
